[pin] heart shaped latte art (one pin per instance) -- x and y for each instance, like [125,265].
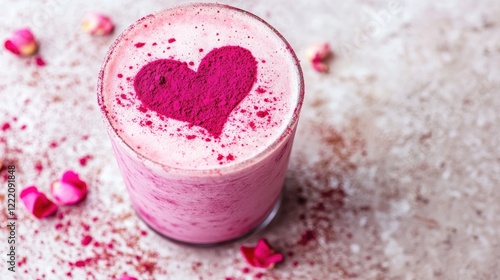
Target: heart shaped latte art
[203,98]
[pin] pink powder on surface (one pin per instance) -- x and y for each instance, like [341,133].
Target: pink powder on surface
[171,40]
[139,45]
[262,114]
[204,98]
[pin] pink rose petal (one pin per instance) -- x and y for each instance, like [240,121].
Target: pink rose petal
[22,43]
[37,203]
[69,189]
[126,277]
[261,255]
[97,24]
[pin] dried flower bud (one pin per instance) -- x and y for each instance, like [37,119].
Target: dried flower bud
[22,43]
[319,55]
[97,24]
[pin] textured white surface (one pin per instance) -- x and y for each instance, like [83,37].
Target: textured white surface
[395,171]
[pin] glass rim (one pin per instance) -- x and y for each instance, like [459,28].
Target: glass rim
[224,169]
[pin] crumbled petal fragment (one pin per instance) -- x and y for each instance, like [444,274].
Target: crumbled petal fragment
[319,55]
[22,43]
[70,189]
[97,24]
[261,255]
[37,203]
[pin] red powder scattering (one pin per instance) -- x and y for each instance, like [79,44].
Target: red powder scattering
[252,125]
[83,160]
[230,157]
[295,263]
[171,40]
[139,45]
[85,227]
[80,264]
[53,144]
[39,167]
[225,76]
[144,233]
[220,157]
[307,236]
[142,109]
[259,275]
[154,44]
[148,123]
[86,240]
[191,63]
[261,90]
[201,50]
[120,75]
[262,114]
[21,261]
[39,61]
[23,127]
[5,126]
[245,270]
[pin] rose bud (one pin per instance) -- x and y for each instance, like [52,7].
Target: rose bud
[318,55]
[22,43]
[97,24]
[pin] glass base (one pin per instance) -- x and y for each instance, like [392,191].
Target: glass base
[270,217]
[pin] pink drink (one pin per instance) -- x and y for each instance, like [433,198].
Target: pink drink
[194,174]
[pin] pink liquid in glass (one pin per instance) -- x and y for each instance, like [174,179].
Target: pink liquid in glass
[185,182]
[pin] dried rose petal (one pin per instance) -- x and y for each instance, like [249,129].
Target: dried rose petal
[97,24]
[39,61]
[37,203]
[261,255]
[69,189]
[319,55]
[126,277]
[22,43]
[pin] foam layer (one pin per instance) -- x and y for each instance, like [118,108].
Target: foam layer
[187,34]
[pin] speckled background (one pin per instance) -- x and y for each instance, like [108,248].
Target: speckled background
[395,173]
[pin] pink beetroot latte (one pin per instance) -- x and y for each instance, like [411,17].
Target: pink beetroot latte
[201,102]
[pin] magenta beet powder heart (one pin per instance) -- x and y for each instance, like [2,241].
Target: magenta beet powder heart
[201,102]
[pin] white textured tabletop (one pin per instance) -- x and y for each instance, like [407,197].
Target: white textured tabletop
[395,173]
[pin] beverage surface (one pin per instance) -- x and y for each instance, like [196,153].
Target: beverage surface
[200,87]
